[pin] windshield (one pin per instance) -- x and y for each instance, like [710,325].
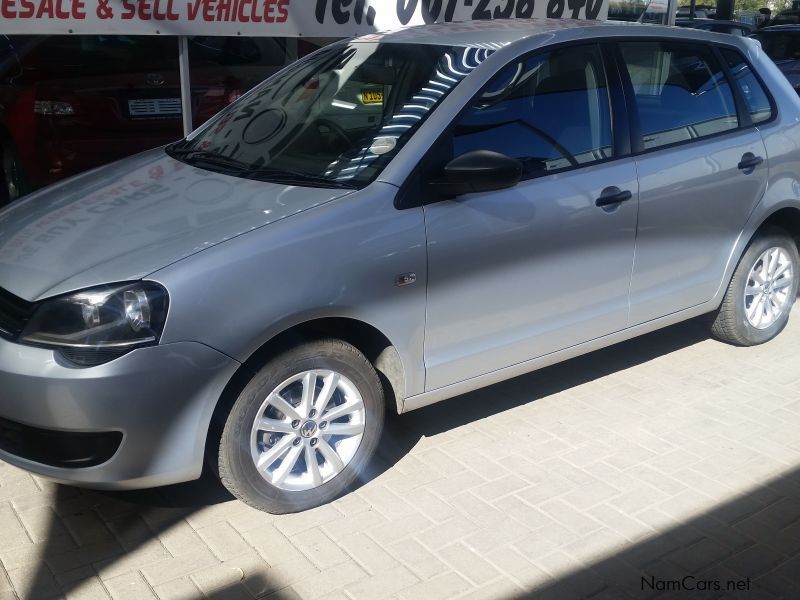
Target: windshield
[780,46]
[332,120]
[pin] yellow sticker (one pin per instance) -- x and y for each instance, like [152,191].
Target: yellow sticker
[372,96]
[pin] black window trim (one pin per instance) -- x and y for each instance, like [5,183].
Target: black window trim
[414,193]
[744,118]
[617,101]
[636,141]
[773,106]
[742,114]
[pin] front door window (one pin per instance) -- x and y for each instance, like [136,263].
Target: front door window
[550,111]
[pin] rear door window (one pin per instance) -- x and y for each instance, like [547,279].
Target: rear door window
[681,92]
[755,96]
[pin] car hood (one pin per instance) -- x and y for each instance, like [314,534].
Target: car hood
[126,220]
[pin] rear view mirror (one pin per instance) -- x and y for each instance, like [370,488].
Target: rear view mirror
[376,74]
[478,171]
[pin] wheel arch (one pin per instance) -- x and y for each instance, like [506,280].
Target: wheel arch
[785,215]
[786,218]
[732,323]
[367,338]
[377,348]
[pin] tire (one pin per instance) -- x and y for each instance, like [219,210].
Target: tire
[752,319]
[290,435]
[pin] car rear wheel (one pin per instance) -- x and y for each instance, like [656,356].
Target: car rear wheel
[762,291]
[303,428]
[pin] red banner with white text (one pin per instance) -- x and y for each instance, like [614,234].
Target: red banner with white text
[280,18]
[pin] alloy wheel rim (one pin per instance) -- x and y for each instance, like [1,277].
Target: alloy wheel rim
[307,430]
[769,285]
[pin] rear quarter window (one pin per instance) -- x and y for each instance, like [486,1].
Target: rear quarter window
[755,96]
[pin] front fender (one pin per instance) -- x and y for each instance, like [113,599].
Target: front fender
[337,260]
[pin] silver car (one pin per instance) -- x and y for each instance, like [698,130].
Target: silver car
[390,222]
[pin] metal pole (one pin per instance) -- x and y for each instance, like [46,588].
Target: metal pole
[672,9]
[186,84]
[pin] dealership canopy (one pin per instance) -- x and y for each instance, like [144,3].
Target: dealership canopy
[280,18]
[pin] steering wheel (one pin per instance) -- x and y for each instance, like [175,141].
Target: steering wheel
[552,141]
[334,128]
[571,159]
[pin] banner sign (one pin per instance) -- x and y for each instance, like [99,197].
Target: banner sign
[278,18]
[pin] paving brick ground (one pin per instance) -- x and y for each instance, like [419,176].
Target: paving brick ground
[668,457]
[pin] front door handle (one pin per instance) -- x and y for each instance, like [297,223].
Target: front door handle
[613,195]
[749,162]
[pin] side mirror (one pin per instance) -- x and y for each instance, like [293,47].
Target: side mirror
[478,171]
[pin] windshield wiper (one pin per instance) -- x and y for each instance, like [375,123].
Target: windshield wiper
[191,156]
[295,177]
[249,171]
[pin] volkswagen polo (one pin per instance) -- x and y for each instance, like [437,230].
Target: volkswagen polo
[391,222]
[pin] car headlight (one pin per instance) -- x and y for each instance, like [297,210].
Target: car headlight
[101,323]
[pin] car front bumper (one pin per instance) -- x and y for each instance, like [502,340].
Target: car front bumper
[160,399]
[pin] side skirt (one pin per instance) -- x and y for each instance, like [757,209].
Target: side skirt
[474,383]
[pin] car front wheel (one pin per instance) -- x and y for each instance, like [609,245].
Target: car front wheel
[762,291]
[303,429]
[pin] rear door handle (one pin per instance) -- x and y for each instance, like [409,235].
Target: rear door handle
[613,195]
[749,161]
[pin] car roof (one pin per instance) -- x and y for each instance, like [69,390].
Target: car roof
[503,32]
[466,33]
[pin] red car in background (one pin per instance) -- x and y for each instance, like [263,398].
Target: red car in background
[72,103]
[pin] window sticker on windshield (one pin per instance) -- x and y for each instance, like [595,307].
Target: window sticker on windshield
[372,96]
[382,145]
